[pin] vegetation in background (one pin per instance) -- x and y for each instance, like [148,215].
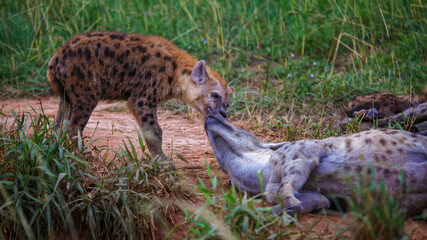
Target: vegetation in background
[310,50]
[49,187]
[294,65]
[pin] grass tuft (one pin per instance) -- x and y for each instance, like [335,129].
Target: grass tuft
[374,213]
[48,189]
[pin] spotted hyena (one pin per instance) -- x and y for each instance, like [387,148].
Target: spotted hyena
[380,105]
[414,119]
[144,70]
[300,174]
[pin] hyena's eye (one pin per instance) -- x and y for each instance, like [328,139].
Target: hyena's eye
[214,95]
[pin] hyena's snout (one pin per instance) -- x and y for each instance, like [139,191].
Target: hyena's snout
[219,108]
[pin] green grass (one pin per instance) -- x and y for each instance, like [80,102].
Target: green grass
[374,213]
[376,46]
[49,187]
[233,215]
[294,65]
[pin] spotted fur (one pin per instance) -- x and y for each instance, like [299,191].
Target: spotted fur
[383,104]
[144,70]
[299,174]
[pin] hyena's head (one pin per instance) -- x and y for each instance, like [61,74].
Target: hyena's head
[209,92]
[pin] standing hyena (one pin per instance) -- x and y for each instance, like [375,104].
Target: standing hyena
[144,70]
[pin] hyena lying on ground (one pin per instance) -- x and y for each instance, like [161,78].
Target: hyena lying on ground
[300,173]
[144,70]
[415,118]
[380,105]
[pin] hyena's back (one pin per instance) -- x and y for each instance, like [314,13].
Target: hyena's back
[101,65]
[109,65]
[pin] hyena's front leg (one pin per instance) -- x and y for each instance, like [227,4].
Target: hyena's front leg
[294,175]
[146,115]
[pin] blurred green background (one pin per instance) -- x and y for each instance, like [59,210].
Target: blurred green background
[322,51]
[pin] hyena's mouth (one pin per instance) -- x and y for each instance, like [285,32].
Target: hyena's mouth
[220,111]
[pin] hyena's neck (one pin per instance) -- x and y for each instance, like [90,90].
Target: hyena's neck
[183,87]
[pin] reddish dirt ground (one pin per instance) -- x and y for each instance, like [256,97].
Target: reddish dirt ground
[112,122]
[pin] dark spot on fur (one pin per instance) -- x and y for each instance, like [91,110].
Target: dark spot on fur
[152,123]
[174,65]
[158,55]
[70,53]
[108,52]
[368,140]
[141,49]
[134,39]
[89,74]
[75,40]
[153,83]
[145,58]
[383,141]
[170,79]
[296,156]
[125,66]
[132,73]
[348,145]
[87,54]
[118,36]
[186,72]
[117,45]
[162,69]
[115,70]
[144,119]
[79,52]
[386,172]
[89,35]
[78,72]
[167,58]
[122,75]
[148,75]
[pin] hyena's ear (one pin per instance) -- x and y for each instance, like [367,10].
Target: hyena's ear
[230,90]
[199,73]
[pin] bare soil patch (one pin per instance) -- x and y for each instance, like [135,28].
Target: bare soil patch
[112,122]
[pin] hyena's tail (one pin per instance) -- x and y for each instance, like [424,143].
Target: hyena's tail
[54,78]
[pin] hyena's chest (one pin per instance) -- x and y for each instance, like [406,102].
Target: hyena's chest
[116,69]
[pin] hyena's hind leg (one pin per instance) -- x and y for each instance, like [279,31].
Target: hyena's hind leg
[79,116]
[416,203]
[310,202]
